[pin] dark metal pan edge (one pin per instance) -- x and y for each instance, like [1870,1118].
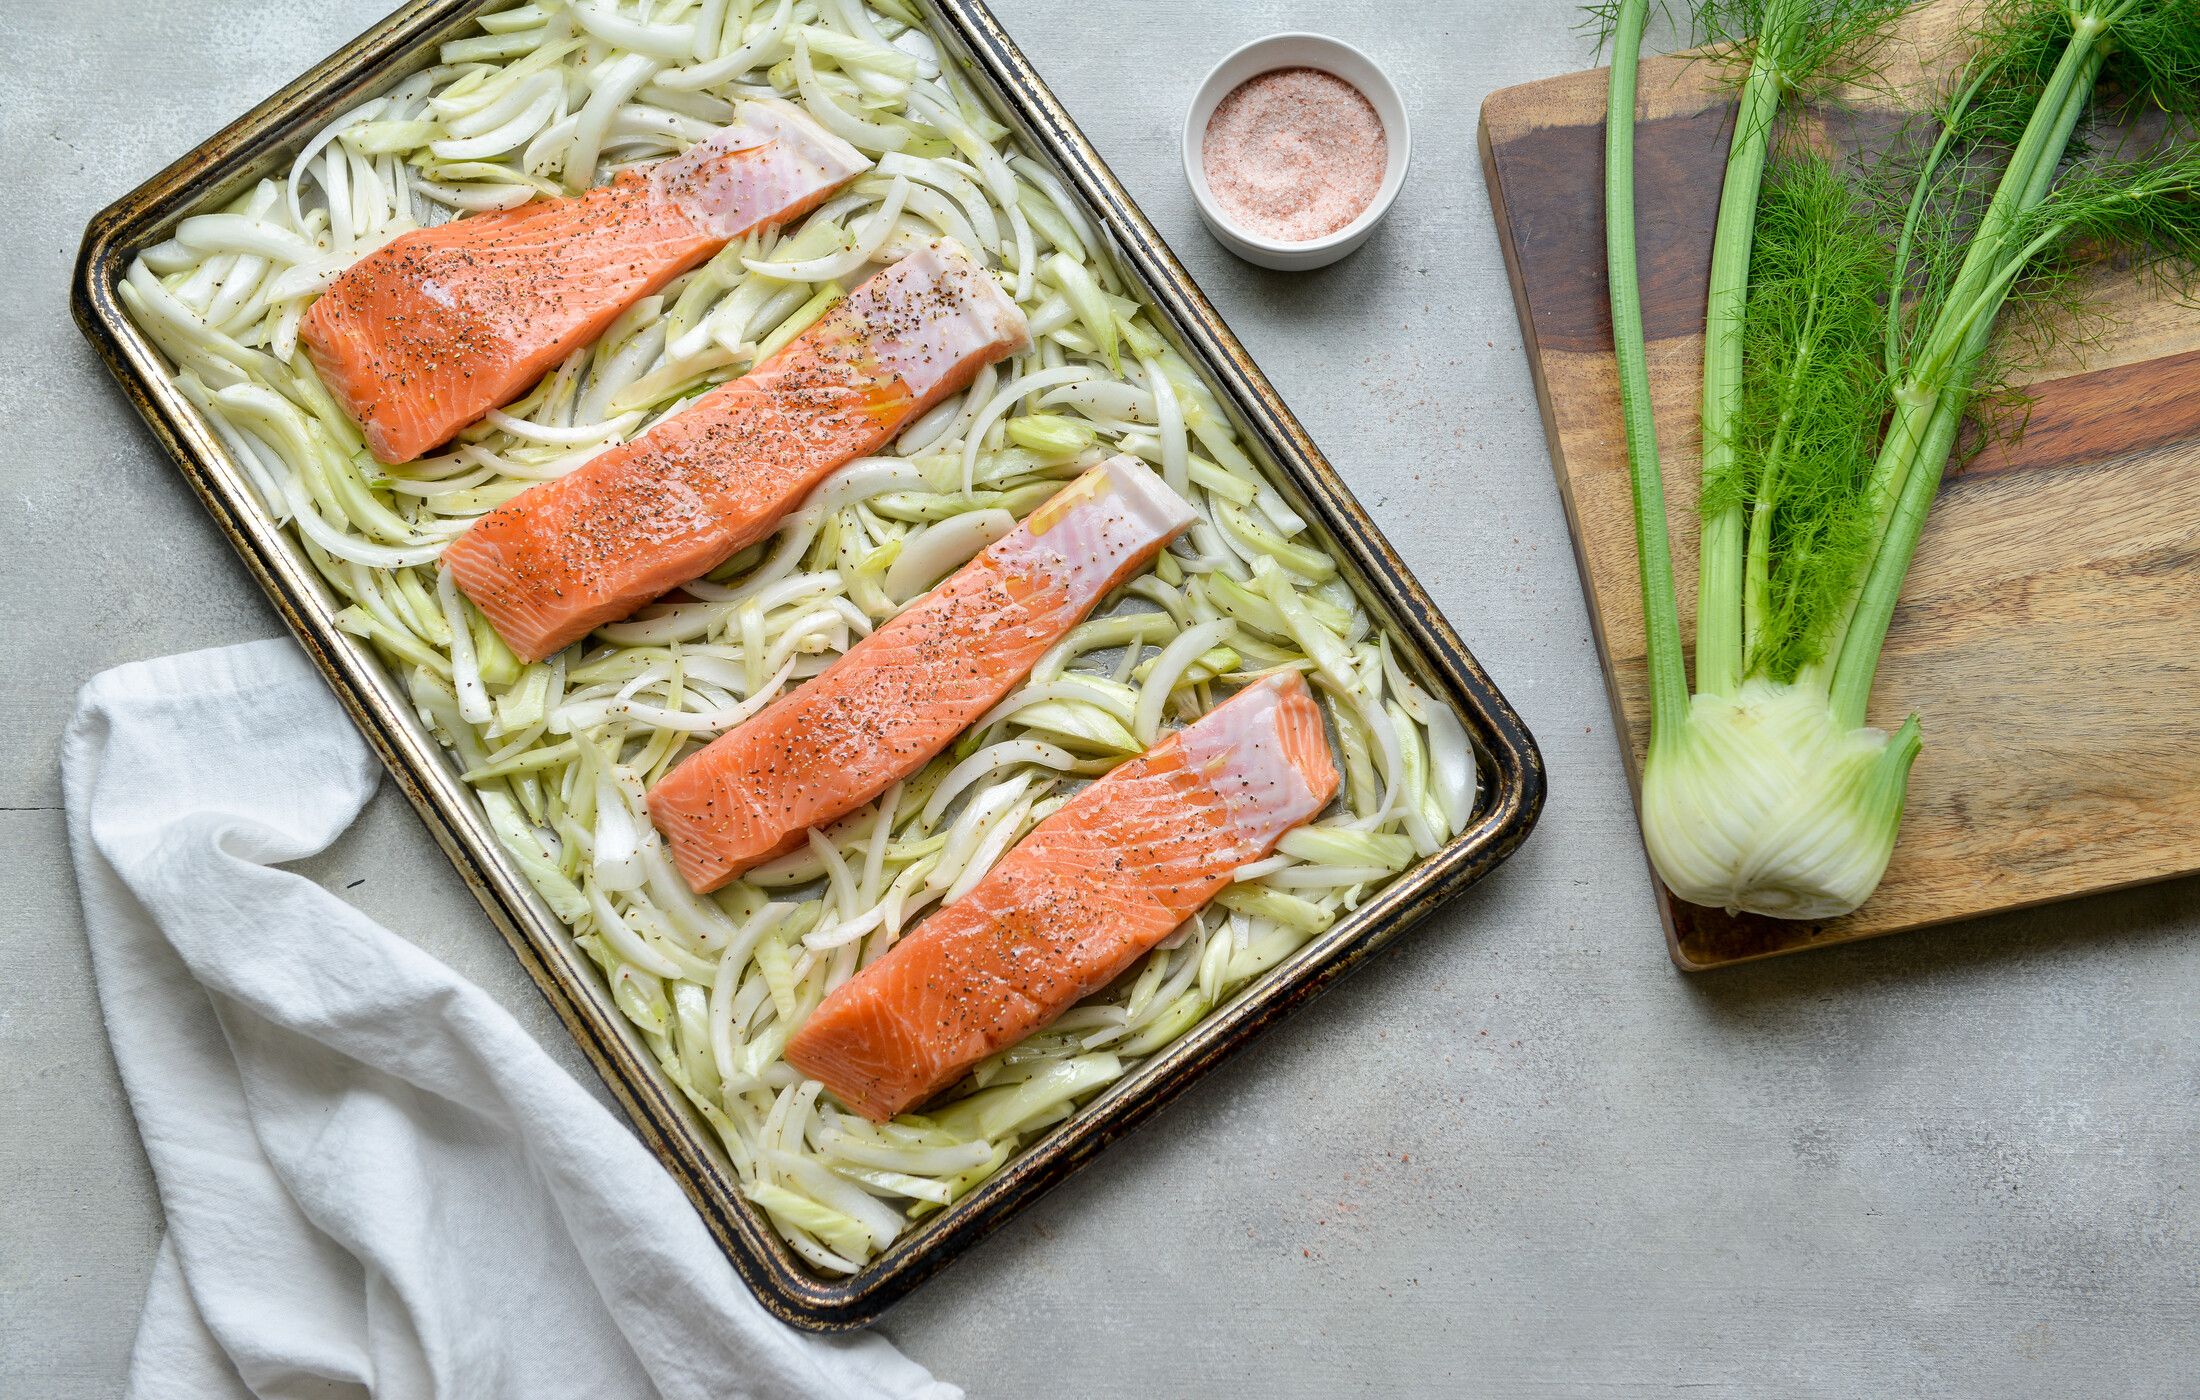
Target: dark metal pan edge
[1514,783]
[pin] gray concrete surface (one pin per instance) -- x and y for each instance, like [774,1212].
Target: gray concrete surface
[1517,1156]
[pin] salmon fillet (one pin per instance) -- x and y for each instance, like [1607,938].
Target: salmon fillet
[1083,896]
[905,692]
[429,332]
[565,557]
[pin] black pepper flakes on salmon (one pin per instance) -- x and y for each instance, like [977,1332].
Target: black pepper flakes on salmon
[903,694]
[569,555]
[1085,894]
[428,333]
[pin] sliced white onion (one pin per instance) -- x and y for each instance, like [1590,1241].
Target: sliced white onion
[1168,668]
[1002,402]
[669,42]
[928,555]
[988,761]
[238,233]
[735,63]
[861,250]
[473,697]
[872,137]
[624,941]
[564,437]
[1176,450]
[518,127]
[615,83]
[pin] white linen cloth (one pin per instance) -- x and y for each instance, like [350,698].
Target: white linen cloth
[375,1182]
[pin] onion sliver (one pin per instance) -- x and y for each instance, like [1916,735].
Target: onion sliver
[990,760]
[1168,668]
[928,555]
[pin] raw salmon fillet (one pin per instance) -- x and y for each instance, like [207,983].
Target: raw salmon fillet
[562,558]
[429,332]
[905,692]
[1078,900]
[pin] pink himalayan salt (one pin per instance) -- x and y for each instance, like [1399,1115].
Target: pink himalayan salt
[1294,154]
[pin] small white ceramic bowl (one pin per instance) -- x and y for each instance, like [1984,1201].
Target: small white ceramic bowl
[1332,56]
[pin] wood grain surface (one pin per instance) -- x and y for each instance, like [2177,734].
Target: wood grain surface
[2049,634]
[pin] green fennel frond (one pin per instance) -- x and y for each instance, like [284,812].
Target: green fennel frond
[1814,396]
[2153,61]
[1940,175]
[2042,199]
[1815,44]
[2156,59]
[2145,211]
[1819,43]
[1794,45]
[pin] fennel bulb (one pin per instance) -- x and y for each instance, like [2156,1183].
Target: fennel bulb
[1765,801]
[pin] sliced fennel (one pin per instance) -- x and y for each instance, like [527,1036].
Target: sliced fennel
[560,752]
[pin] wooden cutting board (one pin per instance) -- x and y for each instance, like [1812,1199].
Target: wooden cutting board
[2049,634]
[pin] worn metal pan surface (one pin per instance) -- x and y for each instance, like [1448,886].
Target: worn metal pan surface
[1512,774]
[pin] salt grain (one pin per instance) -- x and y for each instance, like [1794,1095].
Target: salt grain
[1294,154]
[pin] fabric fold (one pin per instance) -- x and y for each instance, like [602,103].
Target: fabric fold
[375,1182]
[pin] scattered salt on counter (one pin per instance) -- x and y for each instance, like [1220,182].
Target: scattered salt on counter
[1294,154]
